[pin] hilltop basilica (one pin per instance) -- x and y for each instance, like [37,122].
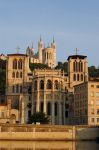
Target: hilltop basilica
[63,96]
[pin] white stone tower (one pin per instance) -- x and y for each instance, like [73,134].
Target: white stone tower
[40,48]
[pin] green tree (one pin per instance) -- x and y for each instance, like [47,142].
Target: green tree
[39,117]
[2,76]
[62,66]
[37,66]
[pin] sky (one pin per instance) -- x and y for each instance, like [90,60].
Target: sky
[72,23]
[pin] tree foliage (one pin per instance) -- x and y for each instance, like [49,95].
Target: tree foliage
[2,76]
[93,71]
[39,117]
[62,66]
[37,66]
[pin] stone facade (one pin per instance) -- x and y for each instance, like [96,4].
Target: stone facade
[44,55]
[46,90]
[86,103]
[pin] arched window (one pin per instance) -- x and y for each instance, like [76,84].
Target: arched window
[56,108]
[13,89]
[56,84]
[17,88]
[74,77]
[81,67]
[61,84]
[74,68]
[20,64]
[48,108]
[42,106]
[49,84]
[20,74]
[81,77]
[42,85]
[20,88]
[17,75]
[13,75]
[15,64]
[77,77]
[35,85]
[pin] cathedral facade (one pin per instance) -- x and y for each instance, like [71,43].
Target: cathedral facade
[44,90]
[44,55]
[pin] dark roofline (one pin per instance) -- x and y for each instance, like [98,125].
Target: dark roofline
[76,56]
[17,54]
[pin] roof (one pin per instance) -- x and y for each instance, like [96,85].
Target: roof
[76,56]
[16,54]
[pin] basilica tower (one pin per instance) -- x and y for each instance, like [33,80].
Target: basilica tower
[40,48]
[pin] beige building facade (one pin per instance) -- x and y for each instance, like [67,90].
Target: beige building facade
[51,91]
[86,103]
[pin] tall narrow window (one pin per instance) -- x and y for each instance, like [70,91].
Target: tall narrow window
[42,106]
[42,85]
[74,77]
[13,75]
[81,77]
[20,74]
[35,85]
[48,108]
[56,108]
[81,67]
[77,77]
[49,84]
[20,64]
[56,84]
[17,88]
[74,66]
[15,64]
[17,75]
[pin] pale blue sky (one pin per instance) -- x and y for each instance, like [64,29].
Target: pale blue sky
[73,23]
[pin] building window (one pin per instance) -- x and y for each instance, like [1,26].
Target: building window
[74,77]
[48,108]
[92,86]
[29,113]
[97,102]
[49,84]
[13,75]
[97,119]
[15,64]
[56,108]
[13,89]
[20,88]
[42,85]
[81,67]
[17,75]
[92,111]
[97,94]
[42,106]
[77,77]
[56,84]
[92,94]
[35,85]
[97,86]
[81,77]
[17,88]
[20,74]
[74,66]
[20,64]
[97,111]
[92,120]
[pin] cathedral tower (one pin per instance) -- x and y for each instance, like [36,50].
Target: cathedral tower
[77,69]
[40,48]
